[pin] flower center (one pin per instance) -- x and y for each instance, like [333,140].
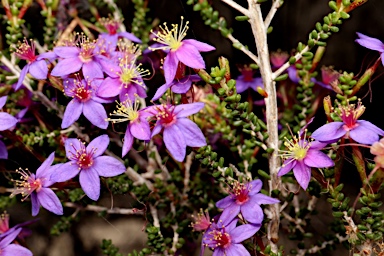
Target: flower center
[171,38]
[165,114]
[81,90]
[247,73]
[240,191]
[131,73]
[27,184]
[110,25]
[82,157]
[220,238]
[26,52]
[126,110]
[297,148]
[350,113]
[86,48]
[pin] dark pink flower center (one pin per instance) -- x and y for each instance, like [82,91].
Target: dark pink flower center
[87,48]
[80,90]
[165,114]
[110,25]
[221,238]
[27,184]
[247,74]
[329,75]
[83,158]
[26,51]
[350,114]
[240,192]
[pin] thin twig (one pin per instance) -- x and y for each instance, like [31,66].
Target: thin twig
[244,49]
[276,5]
[287,64]
[236,6]
[96,208]
[137,178]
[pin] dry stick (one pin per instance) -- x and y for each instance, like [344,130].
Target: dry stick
[260,34]
[276,5]
[236,6]
[96,208]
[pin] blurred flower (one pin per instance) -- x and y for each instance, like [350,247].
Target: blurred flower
[202,221]
[8,249]
[177,86]
[378,149]
[186,51]
[278,58]
[7,121]
[37,186]
[89,162]
[371,43]
[328,76]
[179,131]
[112,35]
[245,198]
[360,131]
[246,80]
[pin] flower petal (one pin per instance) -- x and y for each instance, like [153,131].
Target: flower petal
[92,70]
[38,69]
[170,67]
[236,250]
[8,237]
[140,129]
[66,51]
[193,136]
[365,133]
[200,46]
[243,232]
[225,202]
[175,143]
[96,114]
[15,249]
[184,110]
[329,132]
[127,143]
[49,200]
[252,212]
[35,204]
[230,213]
[287,166]
[65,172]
[255,187]
[3,100]
[107,166]
[264,199]
[7,121]
[72,113]
[98,145]
[3,151]
[316,158]
[181,87]
[129,36]
[160,91]
[370,42]
[241,85]
[302,174]
[190,56]
[23,73]
[71,145]
[45,166]
[110,87]
[67,66]
[90,183]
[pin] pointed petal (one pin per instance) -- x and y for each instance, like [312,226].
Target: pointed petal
[181,87]
[365,133]
[264,199]
[72,113]
[110,87]
[51,56]
[316,158]
[49,200]
[71,145]
[184,110]
[302,174]
[67,66]
[255,187]
[127,142]
[193,136]
[8,237]
[170,67]
[286,167]
[98,145]
[3,151]
[107,166]
[160,91]
[92,70]
[241,86]
[329,132]
[23,73]
[237,249]
[65,172]
[190,56]
[48,173]
[230,213]
[225,202]
[66,51]
[129,36]
[252,212]
[370,42]
[35,204]
[45,166]
[243,232]
[157,129]
[317,145]
[38,69]
[7,121]
[3,100]
[90,183]
[140,129]
[175,143]
[15,249]
[200,46]
[96,114]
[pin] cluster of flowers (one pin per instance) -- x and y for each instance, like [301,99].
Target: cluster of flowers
[222,234]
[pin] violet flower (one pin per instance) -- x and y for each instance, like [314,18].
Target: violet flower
[301,156]
[84,101]
[185,51]
[179,131]
[245,198]
[246,81]
[371,43]
[37,186]
[225,239]
[112,35]
[138,126]
[36,65]
[177,86]
[7,121]
[8,249]
[360,131]
[89,162]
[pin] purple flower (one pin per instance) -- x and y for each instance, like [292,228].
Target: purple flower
[111,37]
[127,82]
[84,101]
[8,249]
[245,198]
[36,65]
[246,80]
[177,86]
[328,76]
[185,51]
[7,121]
[301,156]
[179,131]
[84,57]
[37,186]
[225,239]
[371,43]
[138,126]
[360,131]
[89,162]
